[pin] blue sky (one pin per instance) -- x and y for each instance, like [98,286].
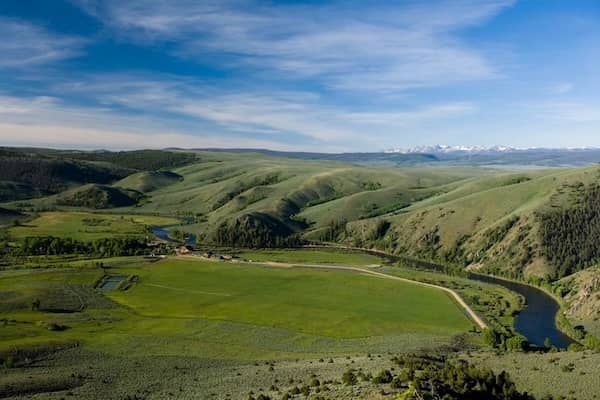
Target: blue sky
[299,75]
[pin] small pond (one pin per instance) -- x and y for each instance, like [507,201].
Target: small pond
[112,282]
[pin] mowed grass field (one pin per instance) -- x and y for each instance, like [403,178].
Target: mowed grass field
[312,256]
[87,226]
[226,311]
[328,303]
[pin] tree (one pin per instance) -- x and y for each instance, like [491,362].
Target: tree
[516,343]
[491,337]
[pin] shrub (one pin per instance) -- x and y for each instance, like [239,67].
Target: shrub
[516,343]
[349,378]
[384,377]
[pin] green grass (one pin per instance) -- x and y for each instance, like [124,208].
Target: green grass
[568,374]
[87,226]
[226,311]
[337,304]
[312,256]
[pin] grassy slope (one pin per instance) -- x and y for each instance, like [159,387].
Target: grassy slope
[145,182]
[433,212]
[466,216]
[224,186]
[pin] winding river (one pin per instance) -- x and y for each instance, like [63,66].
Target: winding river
[162,233]
[537,321]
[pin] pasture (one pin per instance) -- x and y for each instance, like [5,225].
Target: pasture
[312,256]
[86,225]
[323,303]
[226,311]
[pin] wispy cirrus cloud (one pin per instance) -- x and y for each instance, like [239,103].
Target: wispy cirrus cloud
[274,112]
[350,46]
[208,114]
[26,45]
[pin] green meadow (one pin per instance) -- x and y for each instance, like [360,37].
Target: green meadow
[221,310]
[311,256]
[87,225]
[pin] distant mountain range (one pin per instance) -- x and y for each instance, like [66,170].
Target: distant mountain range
[450,155]
[445,149]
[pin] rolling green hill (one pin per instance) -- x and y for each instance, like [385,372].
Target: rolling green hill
[148,181]
[98,197]
[497,221]
[30,173]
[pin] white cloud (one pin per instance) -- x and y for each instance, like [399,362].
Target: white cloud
[381,47]
[204,115]
[26,45]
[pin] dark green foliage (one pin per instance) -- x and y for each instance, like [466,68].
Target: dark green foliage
[349,378]
[98,197]
[256,230]
[45,176]
[516,343]
[497,234]
[333,231]
[27,173]
[571,237]
[491,337]
[50,245]
[384,377]
[437,378]
[143,160]
[381,228]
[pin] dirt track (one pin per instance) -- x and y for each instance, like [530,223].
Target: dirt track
[451,292]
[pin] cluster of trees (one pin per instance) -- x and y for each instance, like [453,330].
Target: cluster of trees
[333,231]
[435,377]
[109,247]
[36,172]
[143,160]
[52,175]
[99,197]
[461,380]
[256,230]
[430,377]
[498,340]
[571,237]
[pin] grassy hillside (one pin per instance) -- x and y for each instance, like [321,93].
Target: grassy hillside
[497,221]
[224,192]
[29,173]
[504,224]
[98,197]
[149,181]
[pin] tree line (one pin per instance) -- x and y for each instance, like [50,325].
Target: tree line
[570,237]
[108,247]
